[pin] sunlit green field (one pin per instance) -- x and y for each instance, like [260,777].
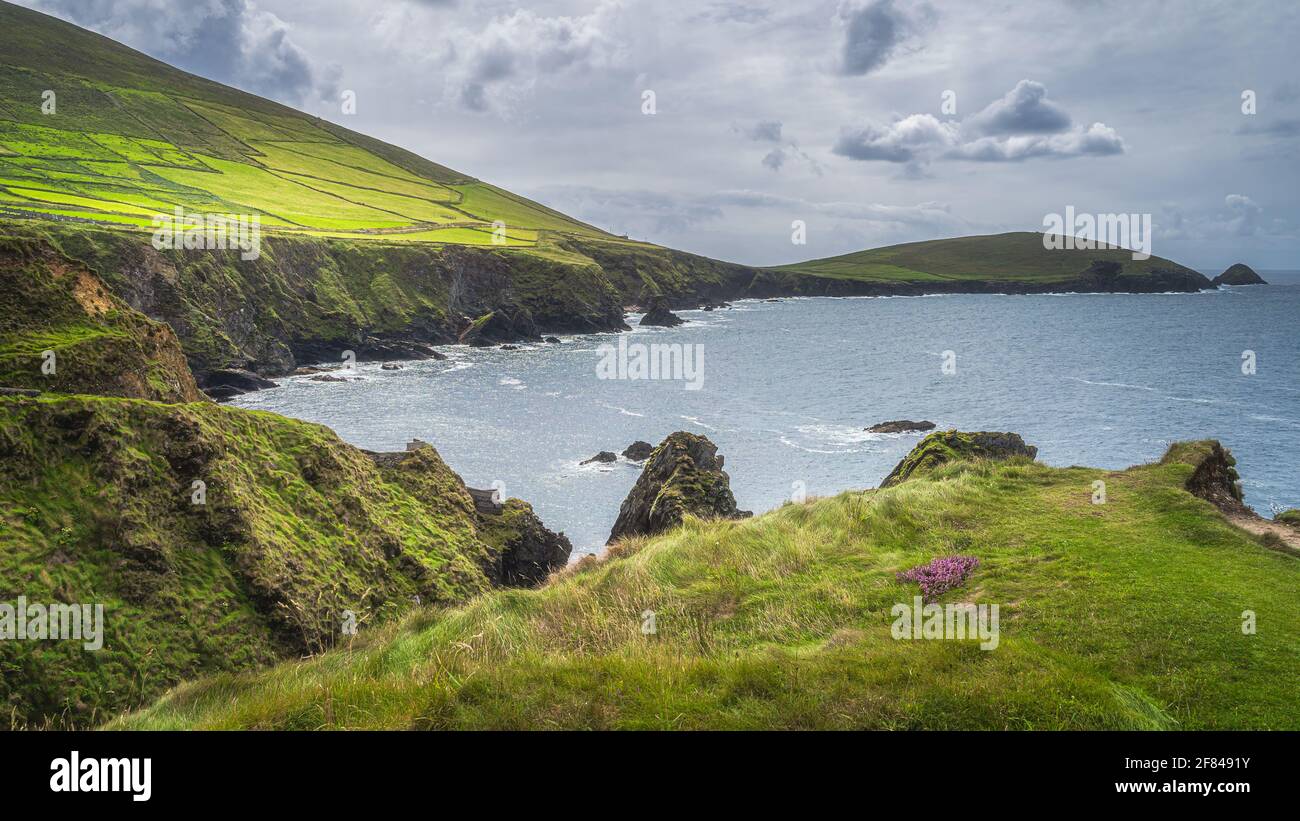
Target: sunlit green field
[1011,257]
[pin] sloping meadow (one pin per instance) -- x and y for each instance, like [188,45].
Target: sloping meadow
[1147,611]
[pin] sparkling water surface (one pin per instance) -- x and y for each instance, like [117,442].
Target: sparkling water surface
[1105,380]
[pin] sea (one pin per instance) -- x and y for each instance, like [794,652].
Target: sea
[786,389]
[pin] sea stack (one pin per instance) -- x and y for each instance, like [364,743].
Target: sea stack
[1239,274]
[658,314]
[683,476]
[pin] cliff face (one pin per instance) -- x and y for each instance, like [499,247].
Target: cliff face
[62,330]
[308,299]
[218,539]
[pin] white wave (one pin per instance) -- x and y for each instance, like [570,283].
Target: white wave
[623,411]
[838,434]
[1112,384]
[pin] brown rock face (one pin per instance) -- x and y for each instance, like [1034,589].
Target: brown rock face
[1215,478]
[683,476]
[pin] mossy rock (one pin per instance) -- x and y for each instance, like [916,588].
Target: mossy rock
[952,446]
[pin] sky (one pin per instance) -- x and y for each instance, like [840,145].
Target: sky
[713,126]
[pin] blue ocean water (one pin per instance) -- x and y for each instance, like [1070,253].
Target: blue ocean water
[788,387]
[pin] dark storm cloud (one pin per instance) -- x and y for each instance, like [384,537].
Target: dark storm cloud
[871,34]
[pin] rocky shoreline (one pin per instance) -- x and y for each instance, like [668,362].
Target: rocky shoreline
[242,323]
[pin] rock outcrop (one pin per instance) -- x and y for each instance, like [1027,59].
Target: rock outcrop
[501,325]
[657,314]
[901,426]
[224,383]
[1239,274]
[638,451]
[525,551]
[948,446]
[220,540]
[683,476]
[1214,477]
[604,457]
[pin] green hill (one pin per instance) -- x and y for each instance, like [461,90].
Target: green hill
[294,530]
[1013,258]
[1122,615]
[130,137]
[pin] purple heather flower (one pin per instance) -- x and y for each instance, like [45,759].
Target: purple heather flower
[940,575]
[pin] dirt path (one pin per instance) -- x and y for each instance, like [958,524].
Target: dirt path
[1289,536]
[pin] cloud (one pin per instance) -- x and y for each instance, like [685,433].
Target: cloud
[872,33]
[231,41]
[632,212]
[1023,124]
[1024,109]
[769,132]
[1244,215]
[1097,140]
[764,131]
[523,46]
[902,141]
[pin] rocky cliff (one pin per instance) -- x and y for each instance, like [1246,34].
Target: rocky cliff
[683,476]
[219,539]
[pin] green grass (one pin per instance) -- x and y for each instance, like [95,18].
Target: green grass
[298,527]
[99,344]
[1126,615]
[1009,257]
[124,122]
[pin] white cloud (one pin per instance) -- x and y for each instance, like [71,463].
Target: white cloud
[1015,128]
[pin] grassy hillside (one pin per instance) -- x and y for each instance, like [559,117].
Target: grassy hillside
[130,137]
[1012,257]
[56,312]
[1126,615]
[294,527]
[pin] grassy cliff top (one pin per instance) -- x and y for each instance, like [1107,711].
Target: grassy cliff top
[129,137]
[1123,615]
[1016,256]
[215,538]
